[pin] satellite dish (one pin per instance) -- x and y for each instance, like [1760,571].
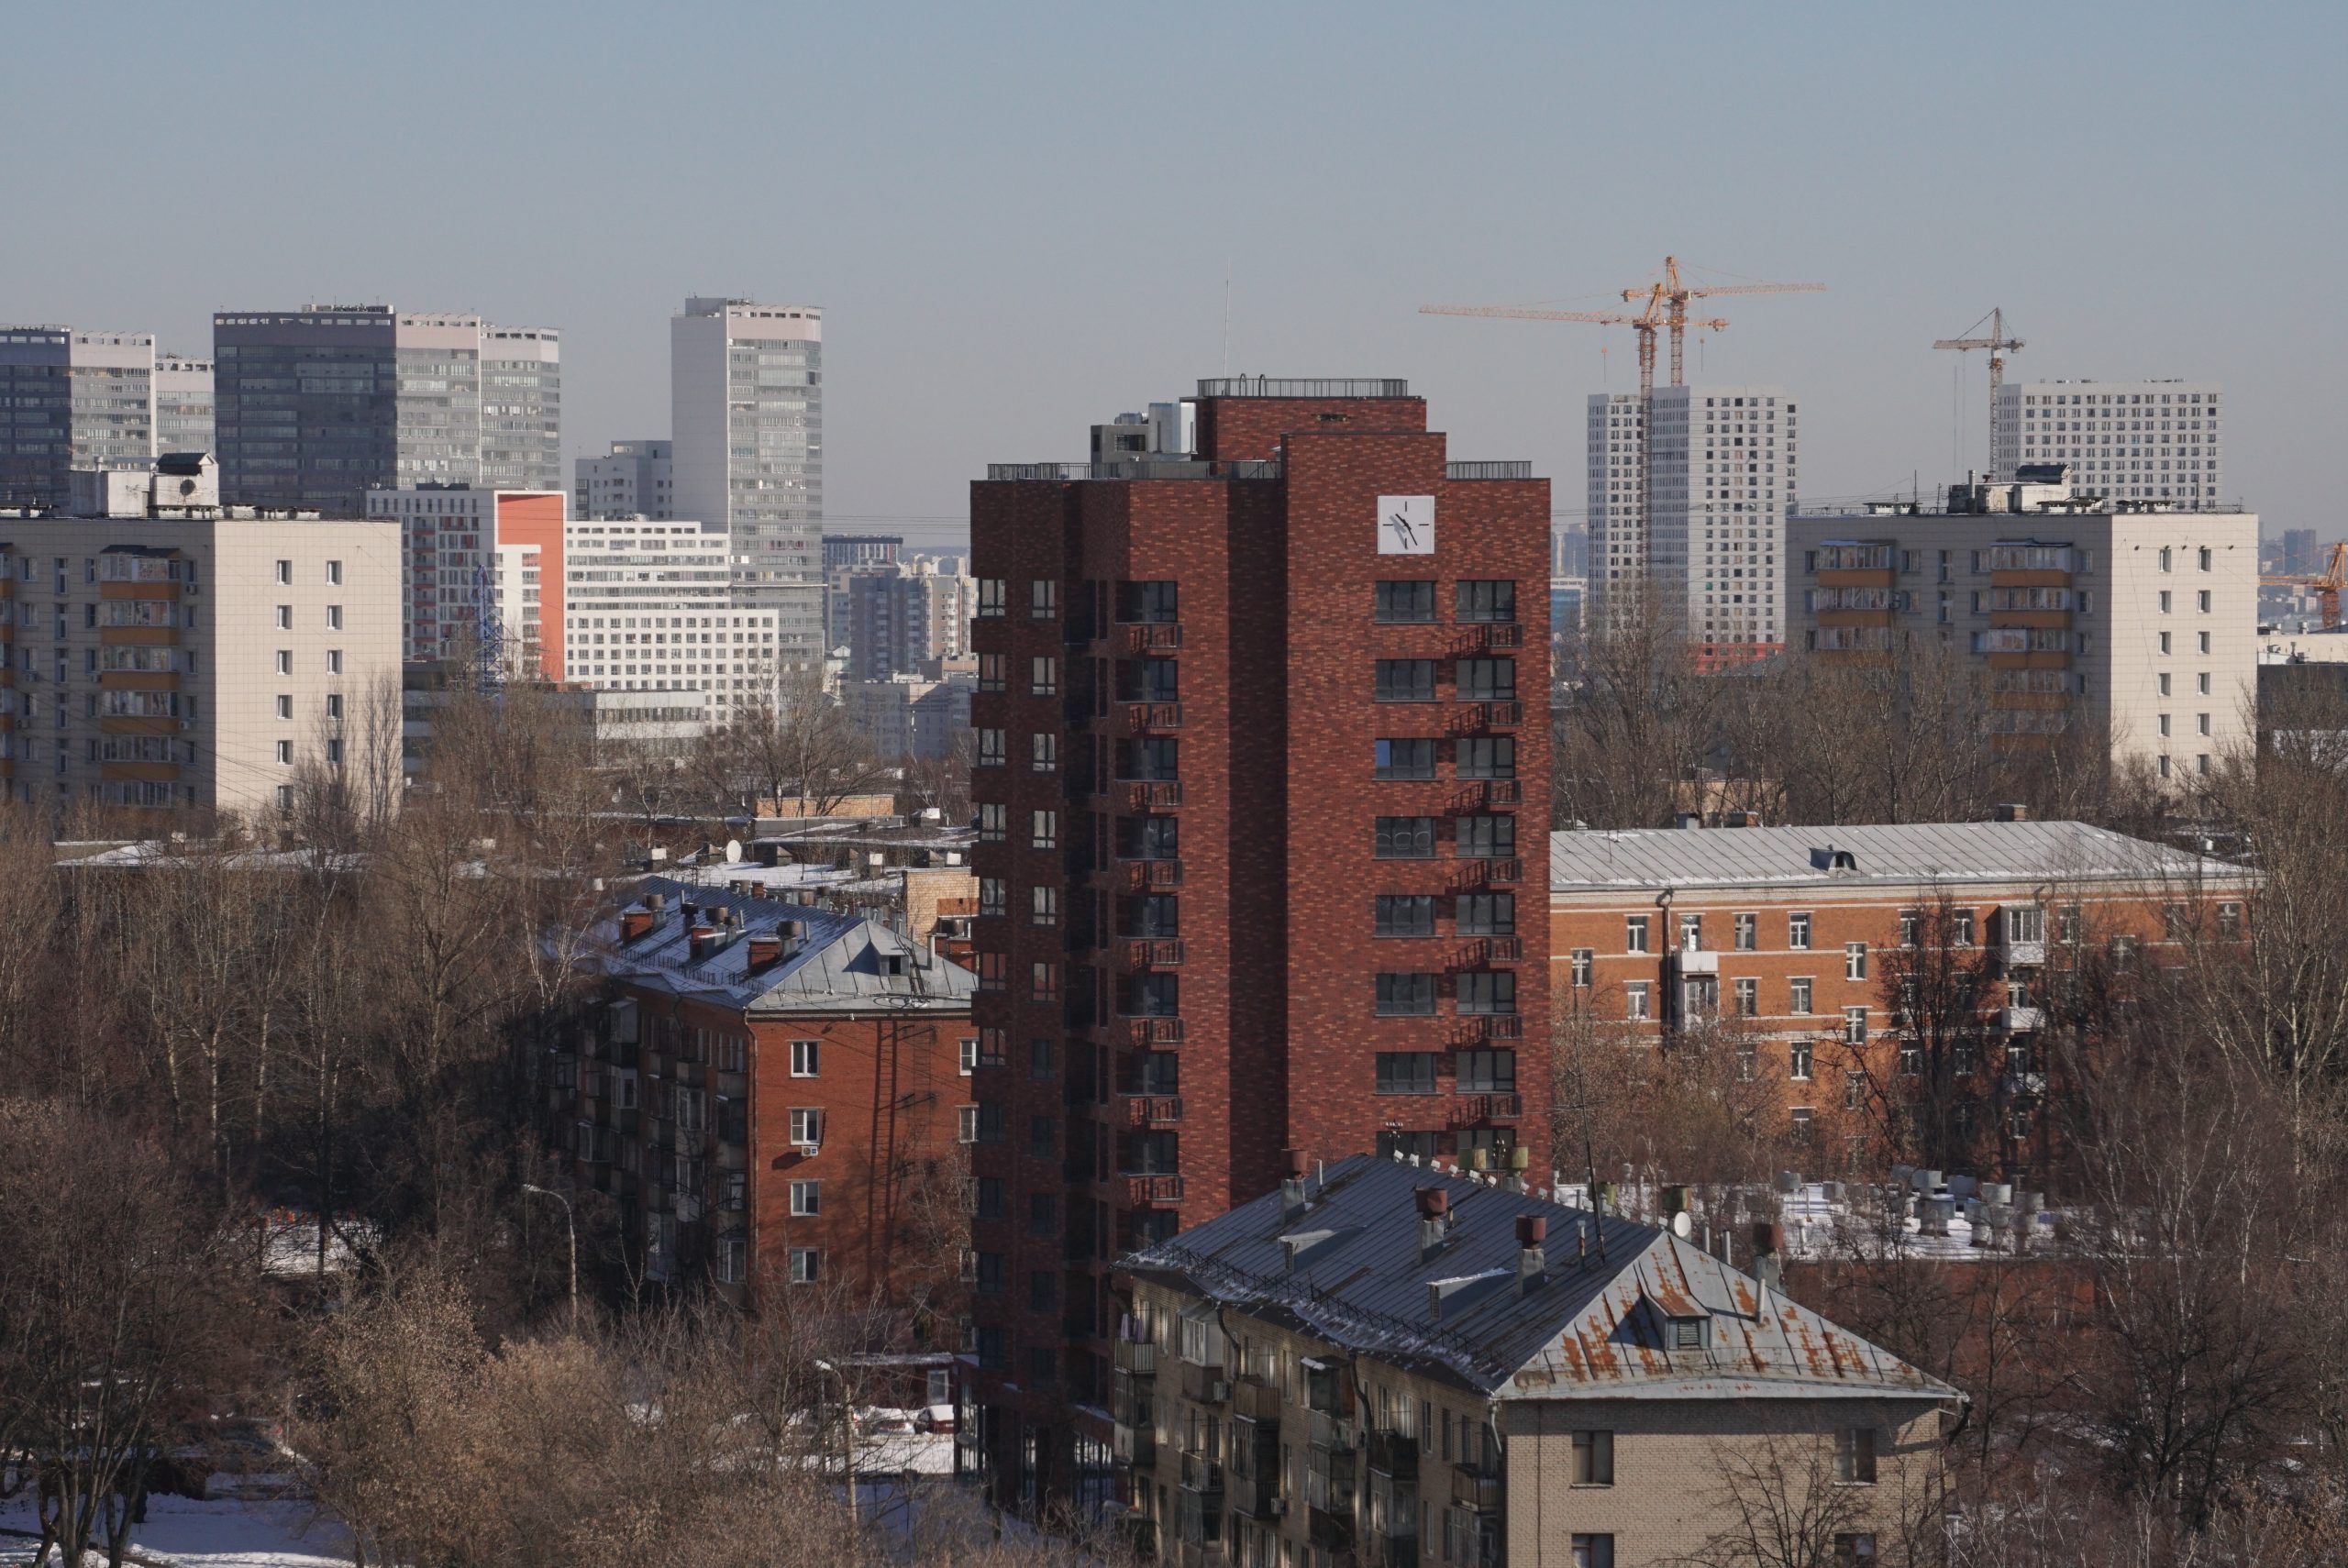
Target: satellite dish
[1681,1224]
[732,852]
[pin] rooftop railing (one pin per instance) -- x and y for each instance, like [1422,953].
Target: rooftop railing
[1315,386]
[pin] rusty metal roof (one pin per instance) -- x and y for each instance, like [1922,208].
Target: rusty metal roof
[1596,1324]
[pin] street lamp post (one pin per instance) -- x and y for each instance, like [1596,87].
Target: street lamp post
[570,1224]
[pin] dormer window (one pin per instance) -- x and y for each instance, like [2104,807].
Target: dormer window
[1685,1333]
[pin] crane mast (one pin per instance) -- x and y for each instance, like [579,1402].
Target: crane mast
[1664,308]
[2000,346]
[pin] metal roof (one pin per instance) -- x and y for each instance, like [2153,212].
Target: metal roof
[1594,1325]
[1900,854]
[843,964]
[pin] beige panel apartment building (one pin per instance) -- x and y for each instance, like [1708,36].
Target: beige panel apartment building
[2137,617]
[1395,1364]
[177,655]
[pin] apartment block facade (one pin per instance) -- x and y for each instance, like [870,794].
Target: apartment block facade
[315,407]
[2127,440]
[773,1094]
[746,427]
[1252,758]
[183,415]
[608,606]
[1709,551]
[893,618]
[1791,938]
[197,660]
[1386,1363]
[78,399]
[2136,619]
[635,479]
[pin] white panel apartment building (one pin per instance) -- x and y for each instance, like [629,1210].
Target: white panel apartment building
[651,606]
[746,413]
[183,404]
[1726,477]
[198,660]
[2130,440]
[635,479]
[2141,621]
[607,603]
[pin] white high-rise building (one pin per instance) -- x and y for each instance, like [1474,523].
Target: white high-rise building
[635,479]
[746,424]
[183,404]
[2129,440]
[1725,474]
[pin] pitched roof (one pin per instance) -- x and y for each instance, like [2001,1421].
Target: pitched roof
[1902,854]
[842,962]
[1350,1271]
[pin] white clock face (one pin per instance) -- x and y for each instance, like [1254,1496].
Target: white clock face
[1406,524]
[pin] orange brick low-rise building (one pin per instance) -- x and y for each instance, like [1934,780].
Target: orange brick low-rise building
[774,1095]
[1824,949]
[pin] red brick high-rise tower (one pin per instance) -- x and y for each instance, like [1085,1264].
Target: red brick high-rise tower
[1263,789]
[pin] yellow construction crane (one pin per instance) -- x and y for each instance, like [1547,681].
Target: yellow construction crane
[2000,346]
[2326,585]
[1665,310]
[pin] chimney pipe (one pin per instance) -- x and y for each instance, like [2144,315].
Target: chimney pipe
[1768,1263]
[1292,1199]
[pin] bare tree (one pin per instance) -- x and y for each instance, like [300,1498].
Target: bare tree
[115,1321]
[794,744]
[1785,1508]
[2190,1210]
[1939,1104]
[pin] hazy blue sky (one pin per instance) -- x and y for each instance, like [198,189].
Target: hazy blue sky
[1017,217]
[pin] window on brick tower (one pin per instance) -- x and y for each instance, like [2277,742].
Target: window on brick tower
[1155,915]
[1154,996]
[1151,757]
[1405,681]
[1405,759]
[1405,603]
[1485,1072]
[1481,991]
[1487,679]
[1158,1072]
[1151,602]
[1405,995]
[1487,756]
[1406,1072]
[1405,838]
[1150,838]
[1486,914]
[1487,600]
[1152,1154]
[1150,680]
[1404,914]
[1491,838]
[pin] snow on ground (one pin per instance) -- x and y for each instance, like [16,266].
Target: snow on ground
[217,1533]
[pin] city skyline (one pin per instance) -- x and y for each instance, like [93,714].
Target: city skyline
[971,298]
